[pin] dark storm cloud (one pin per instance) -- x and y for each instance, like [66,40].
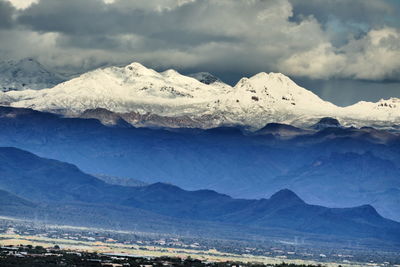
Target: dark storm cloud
[367,12]
[6,15]
[69,17]
[317,39]
[94,18]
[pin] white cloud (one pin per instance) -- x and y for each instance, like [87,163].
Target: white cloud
[320,62]
[22,4]
[376,56]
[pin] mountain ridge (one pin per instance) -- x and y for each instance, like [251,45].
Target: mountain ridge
[284,210]
[253,102]
[227,160]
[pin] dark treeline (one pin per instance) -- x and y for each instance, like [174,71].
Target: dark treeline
[29,256]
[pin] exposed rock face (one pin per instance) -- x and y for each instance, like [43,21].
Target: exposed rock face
[327,122]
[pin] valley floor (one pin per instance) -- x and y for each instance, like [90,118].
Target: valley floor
[118,250]
[18,235]
[38,256]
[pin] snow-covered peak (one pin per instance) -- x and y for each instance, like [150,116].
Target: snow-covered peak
[138,69]
[271,98]
[388,104]
[132,88]
[383,105]
[170,73]
[136,66]
[268,83]
[277,88]
[146,97]
[26,74]
[384,110]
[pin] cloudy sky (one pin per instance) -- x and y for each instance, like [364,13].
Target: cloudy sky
[344,50]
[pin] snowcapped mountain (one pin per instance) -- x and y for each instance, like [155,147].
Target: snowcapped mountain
[26,74]
[384,113]
[144,97]
[267,98]
[132,89]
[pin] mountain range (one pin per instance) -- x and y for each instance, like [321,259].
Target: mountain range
[334,167]
[146,98]
[256,143]
[41,186]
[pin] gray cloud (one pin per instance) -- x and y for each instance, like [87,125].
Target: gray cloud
[6,15]
[375,56]
[318,39]
[342,18]
[367,12]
